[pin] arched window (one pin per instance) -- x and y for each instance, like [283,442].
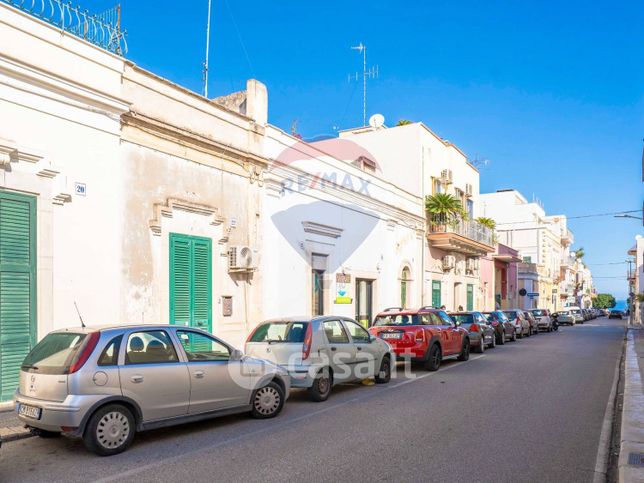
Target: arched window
[405,280]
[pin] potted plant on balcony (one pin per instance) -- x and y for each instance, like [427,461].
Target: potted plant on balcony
[443,209]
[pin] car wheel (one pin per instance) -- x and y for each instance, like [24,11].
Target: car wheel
[110,430]
[321,388]
[384,374]
[465,351]
[501,340]
[480,349]
[493,343]
[267,401]
[434,358]
[514,336]
[529,333]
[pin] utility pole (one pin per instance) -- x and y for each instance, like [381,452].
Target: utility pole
[371,73]
[205,64]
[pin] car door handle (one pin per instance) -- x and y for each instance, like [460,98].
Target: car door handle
[136,379]
[359,348]
[334,349]
[199,374]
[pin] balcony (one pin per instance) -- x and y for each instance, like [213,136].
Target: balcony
[463,236]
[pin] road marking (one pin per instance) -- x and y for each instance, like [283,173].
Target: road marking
[203,449]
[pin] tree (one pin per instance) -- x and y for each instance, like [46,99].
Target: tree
[489,222]
[443,207]
[403,122]
[604,301]
[580,253]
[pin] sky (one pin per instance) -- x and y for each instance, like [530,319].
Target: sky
[548,95]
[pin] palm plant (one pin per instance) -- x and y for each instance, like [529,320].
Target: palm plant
[579,253]
[488,222]
[443,208]
[403,122]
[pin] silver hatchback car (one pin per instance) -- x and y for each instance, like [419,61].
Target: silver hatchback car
[104,384]
[320,352]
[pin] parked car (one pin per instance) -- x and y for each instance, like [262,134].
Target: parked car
[321,352]
[521,324]
[503,328]
[534,326]
[564,317]
[577,314]
[424,335]
[586,314]
[544,321]
[106,384]
[616,314]
[481,332]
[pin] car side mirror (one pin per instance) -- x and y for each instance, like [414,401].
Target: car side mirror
[236,355]
[457,323]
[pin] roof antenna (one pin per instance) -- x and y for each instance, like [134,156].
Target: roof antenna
[79,315]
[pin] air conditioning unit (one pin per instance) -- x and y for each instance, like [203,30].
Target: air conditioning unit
[446,176]
[468,190]
[471,266]
[449,261]
[240,258]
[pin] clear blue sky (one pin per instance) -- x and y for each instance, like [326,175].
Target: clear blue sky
[552,93]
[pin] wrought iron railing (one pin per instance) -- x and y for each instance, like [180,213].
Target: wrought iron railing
[102,29]
[471,229]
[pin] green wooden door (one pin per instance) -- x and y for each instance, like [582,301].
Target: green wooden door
[17,286]
[436,294]
[470,297]
[191,281]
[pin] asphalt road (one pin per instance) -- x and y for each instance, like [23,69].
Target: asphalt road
[526,411]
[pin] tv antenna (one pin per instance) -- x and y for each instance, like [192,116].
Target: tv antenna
[205,63]
[371,73]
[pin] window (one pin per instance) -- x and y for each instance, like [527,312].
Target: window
[318,265]
[437,187]
[396,319]
[150,347]
[444,318]
[436,294]
[110,355]
[434,319]
[527,259]
[358,334]
[280,332]
[200,347]
[405,279]
[54,354]
[335,333]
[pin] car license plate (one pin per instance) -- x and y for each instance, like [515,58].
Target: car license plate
[390,335]
[29,411]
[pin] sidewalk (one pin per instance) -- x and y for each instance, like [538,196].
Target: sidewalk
[10,428]
[631,456]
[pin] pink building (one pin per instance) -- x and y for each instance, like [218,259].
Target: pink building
[499,278]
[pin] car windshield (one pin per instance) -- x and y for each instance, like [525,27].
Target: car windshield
[576,312]
[396,319]
[280,332]
[511,315]
[54,354]
[462,318]
[538,313]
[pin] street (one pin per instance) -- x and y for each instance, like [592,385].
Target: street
[527,411]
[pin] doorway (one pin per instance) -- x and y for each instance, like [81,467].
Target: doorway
[364,301]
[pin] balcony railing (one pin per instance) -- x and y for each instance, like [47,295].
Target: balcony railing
[102,29]
[470,229]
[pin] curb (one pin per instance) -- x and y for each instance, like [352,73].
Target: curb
[632,434]
[14,434]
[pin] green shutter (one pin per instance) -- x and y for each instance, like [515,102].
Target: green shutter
[470,297]
[436,293]
[190,281]
[17,286]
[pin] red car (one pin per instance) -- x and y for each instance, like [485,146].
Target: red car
[425,335]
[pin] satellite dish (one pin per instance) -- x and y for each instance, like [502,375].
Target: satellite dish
[377,120]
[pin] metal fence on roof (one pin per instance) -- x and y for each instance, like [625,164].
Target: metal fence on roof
[103,30]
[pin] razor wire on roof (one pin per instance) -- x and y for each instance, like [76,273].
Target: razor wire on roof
[103,30]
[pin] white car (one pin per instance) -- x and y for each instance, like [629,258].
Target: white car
[322,351]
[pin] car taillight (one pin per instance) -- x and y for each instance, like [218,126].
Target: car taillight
[87,350]
[518,321]
[306,348]
[474,328]
[420,336]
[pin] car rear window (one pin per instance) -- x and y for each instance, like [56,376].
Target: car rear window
[539,313]
[462,318]
[396,319]
[280,332]
[54,354]
[511,315]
